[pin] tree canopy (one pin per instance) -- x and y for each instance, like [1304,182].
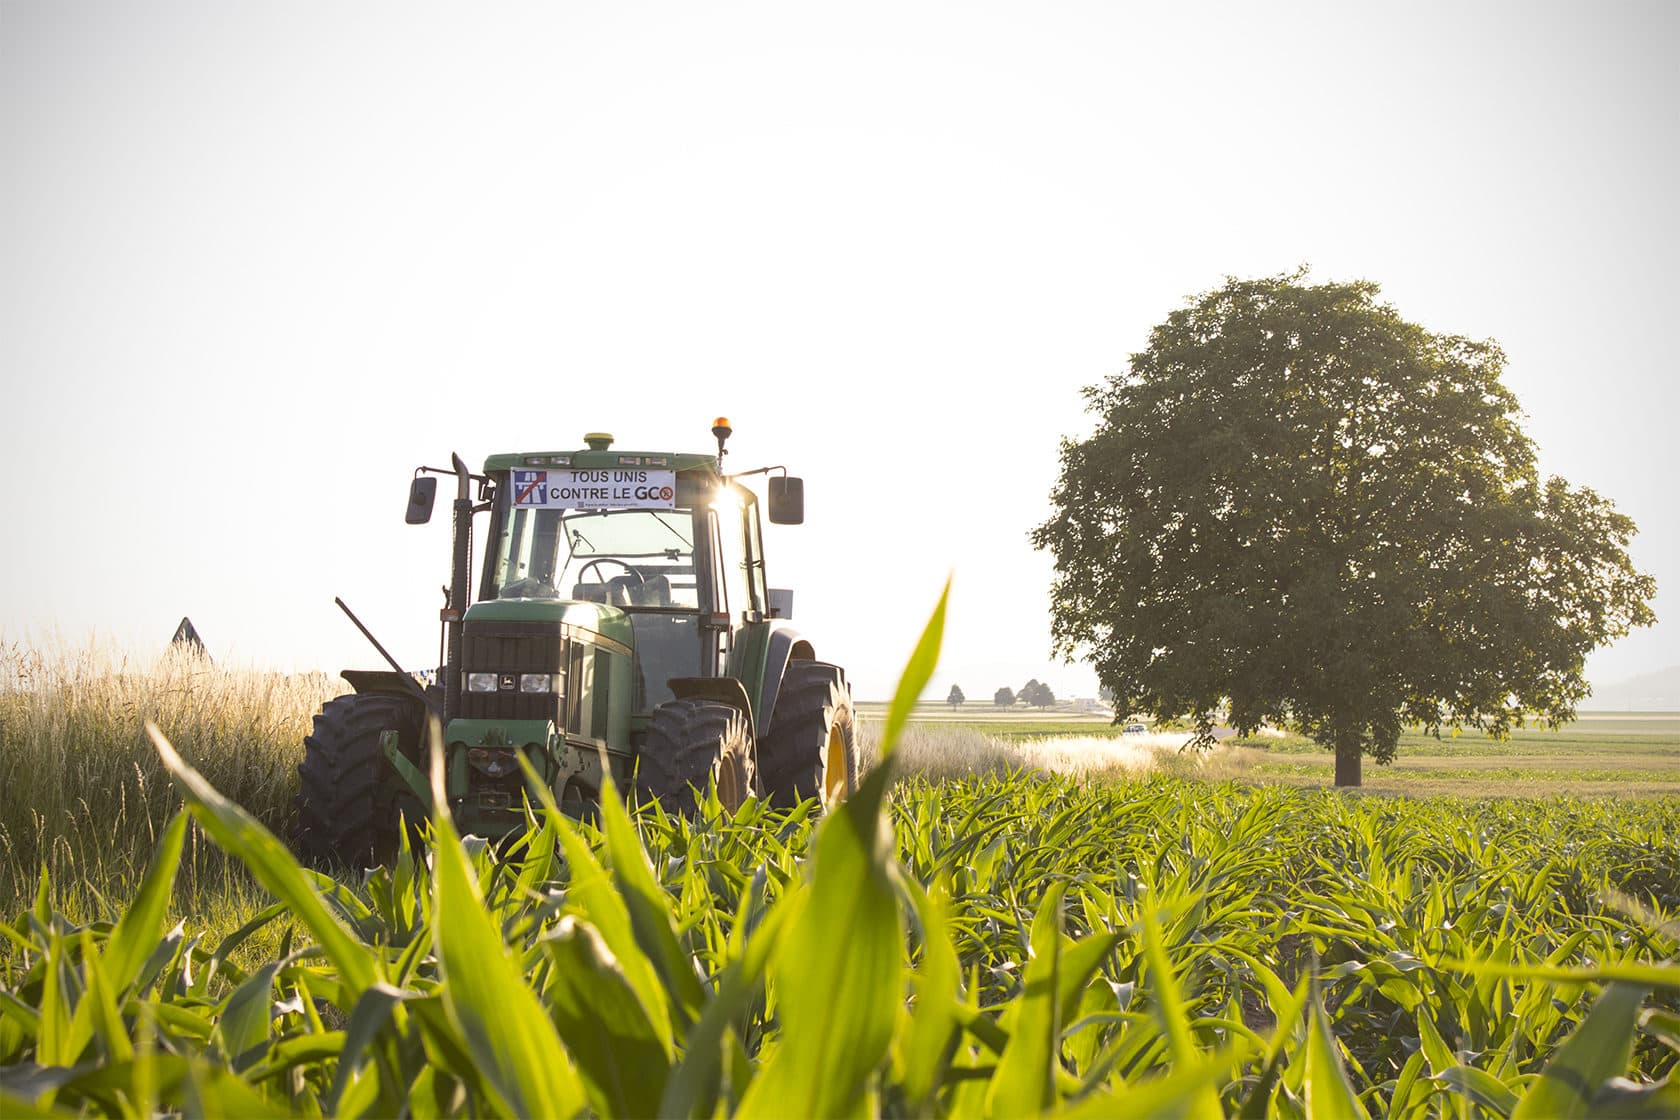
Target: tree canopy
[1300,503]
[1037,694]
[955,696]
[1004,697]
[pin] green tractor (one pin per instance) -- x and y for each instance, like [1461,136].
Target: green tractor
[623,624]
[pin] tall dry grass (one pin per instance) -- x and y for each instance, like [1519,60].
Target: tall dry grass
[85,794]
[941,753]
[84,791]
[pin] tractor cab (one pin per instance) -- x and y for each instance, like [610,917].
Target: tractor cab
[677,553]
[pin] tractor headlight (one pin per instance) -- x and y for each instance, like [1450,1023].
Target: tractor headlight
[481,682]
[539,682]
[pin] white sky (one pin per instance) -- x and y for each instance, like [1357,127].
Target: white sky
[258,261]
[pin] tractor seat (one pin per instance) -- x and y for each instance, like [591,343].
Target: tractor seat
[626,591]
[653,592]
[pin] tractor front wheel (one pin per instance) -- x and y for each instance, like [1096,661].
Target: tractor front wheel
[347,798]
[691,744]
[811,749]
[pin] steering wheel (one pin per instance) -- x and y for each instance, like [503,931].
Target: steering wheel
[601,578]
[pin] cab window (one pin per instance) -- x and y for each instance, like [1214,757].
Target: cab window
[732,512]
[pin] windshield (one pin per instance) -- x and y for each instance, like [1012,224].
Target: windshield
[626,557]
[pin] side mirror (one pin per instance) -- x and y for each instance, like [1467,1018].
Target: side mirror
[787,501]
[781,602]
[422,493]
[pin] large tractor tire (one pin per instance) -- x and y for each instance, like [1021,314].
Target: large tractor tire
[347,800]
[811,748]
[689,744]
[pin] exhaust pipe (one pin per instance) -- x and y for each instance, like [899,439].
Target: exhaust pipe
[460,572]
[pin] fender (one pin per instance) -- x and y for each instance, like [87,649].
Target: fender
[760,660]
[720,690]
[388,683]
[380,680]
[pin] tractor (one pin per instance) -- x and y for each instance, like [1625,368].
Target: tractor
[623,625]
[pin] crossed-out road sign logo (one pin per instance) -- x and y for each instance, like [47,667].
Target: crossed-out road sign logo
[528,487]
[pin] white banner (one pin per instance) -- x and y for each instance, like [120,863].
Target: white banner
[583,489]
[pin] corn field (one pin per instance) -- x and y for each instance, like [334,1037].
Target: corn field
[1001,945]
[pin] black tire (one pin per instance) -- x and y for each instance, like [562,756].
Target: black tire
[690,744]
[813,724]
[347,796]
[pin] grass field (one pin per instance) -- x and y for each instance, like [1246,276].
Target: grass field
[974,943]
[1230,928]
[87,798]
[1601,753]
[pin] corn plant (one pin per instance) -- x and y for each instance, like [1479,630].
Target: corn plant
[1003,945]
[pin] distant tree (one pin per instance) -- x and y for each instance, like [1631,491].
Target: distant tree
[1036,694]
[956,696]
[1300,502]
[1004,697]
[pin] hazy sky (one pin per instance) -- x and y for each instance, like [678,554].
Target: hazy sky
[258,261]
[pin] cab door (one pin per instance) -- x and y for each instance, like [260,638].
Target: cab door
[737,579]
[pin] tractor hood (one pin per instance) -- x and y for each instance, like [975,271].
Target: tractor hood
[597,618]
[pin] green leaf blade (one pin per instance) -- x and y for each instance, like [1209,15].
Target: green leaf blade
[499,1019]
[1597,1052]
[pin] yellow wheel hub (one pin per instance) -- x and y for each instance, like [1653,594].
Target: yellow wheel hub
[728,788]
[835,785]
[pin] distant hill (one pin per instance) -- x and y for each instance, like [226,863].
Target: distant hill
[1651,692]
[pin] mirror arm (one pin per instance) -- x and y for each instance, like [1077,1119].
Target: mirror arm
[481,479]
[755,470]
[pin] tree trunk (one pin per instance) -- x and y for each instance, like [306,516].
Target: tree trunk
[1349,759]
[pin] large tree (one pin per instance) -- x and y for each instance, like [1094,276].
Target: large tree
[1300,503]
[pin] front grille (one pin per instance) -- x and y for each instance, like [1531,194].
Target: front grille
[509,649]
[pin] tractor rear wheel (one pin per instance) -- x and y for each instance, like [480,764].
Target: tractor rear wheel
[811,748]
[347,799]
[690,744]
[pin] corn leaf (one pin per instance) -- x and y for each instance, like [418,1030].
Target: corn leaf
[1625,1100]
[137,932]
[1287,1009]
[373,1010]
[692,1089]
[246,1023]
[498,1018]
[623,1058]
[648,906]
[917,672]
[1189,1092]
[273,866]
[590,891]
[1329,1093]
[1634,973]
[929,1039]
[1595,1053]
[1481,1088]
[1025,1081]
[838,972]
